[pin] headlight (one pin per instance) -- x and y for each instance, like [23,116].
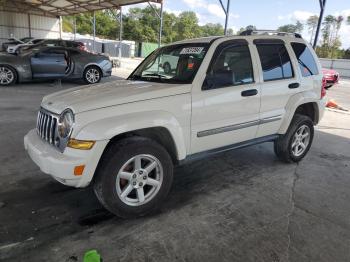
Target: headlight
[65,123]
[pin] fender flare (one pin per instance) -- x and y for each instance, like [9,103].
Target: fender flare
[293,103]
[110,127]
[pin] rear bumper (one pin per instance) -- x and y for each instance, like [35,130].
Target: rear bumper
[61,165]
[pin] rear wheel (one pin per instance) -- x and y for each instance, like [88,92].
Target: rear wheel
[8,76]
[134,177]
[294,145]
[92,75]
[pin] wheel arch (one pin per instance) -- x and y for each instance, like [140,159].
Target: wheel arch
[161,126]
[159,134]
[92,65]
[302,103]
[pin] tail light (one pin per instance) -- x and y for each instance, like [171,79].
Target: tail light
[323,89]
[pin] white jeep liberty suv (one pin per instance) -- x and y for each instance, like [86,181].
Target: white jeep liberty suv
[124,137]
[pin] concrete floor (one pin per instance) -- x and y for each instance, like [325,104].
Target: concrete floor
[243,205]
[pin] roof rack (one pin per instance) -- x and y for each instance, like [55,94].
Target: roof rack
[269,32]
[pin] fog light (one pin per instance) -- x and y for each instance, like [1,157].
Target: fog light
[80,144]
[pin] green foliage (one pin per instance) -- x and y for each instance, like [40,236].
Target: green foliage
[330,44]
[249,27]
[311,24]
[142,25]
[291,28]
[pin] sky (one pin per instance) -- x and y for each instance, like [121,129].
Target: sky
[264,14]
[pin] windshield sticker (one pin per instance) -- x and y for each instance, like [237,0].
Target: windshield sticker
[191,50]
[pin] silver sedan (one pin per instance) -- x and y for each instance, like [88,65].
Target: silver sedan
[53,63]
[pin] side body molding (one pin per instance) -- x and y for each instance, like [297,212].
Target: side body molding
[109,127]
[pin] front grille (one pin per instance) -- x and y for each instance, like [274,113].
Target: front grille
[46,126]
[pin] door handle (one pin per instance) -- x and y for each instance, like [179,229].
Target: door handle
[293,85]
[250,92]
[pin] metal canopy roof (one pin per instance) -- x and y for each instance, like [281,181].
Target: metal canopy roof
[63,7]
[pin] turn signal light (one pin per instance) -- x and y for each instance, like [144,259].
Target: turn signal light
[80,144]
[78,170]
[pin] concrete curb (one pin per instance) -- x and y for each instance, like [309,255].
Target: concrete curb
[338,111]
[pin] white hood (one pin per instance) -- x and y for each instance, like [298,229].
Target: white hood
[113,93]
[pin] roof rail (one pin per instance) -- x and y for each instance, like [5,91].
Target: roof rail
[269,32]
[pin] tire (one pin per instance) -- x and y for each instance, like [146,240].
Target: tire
[92,75]
[110,182]
[294,145]
[8,76]
[167,68]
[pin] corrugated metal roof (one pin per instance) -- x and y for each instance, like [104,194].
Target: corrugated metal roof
[63,7]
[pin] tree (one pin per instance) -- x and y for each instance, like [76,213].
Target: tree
[187,26]
[142,25]
[311,23]
[249,27]
[288,28]
[330,46]
[299,27]
[212,29]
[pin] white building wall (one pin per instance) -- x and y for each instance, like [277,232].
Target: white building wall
[17,25]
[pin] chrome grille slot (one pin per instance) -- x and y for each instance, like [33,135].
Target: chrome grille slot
[46,126]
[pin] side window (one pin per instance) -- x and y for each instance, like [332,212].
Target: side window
[275,61]
[306,61]
[232,67]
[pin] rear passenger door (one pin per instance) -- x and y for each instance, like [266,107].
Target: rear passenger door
[278,83]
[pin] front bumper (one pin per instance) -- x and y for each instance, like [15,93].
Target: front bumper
[61,165]
[107,69]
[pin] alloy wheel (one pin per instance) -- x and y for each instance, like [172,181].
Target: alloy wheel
[301,140]
[92,75]
[139,180]
[6,76]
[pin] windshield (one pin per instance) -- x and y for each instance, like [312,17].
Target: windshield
[172,64]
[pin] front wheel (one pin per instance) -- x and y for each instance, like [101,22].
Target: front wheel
[294,145]
[92,75]
[134,177]
[8,76]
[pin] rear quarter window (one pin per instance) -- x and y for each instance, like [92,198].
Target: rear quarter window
[306,60]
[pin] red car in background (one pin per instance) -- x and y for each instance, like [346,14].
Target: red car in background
[331,76]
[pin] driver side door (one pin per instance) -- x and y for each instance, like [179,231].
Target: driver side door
[49,63]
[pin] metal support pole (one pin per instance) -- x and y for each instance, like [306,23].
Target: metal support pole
[120,31]
[29,26]
[227,15]
[60,21]
[160,24]
[160,16]
[94,29]
[322,6]
[75,27]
